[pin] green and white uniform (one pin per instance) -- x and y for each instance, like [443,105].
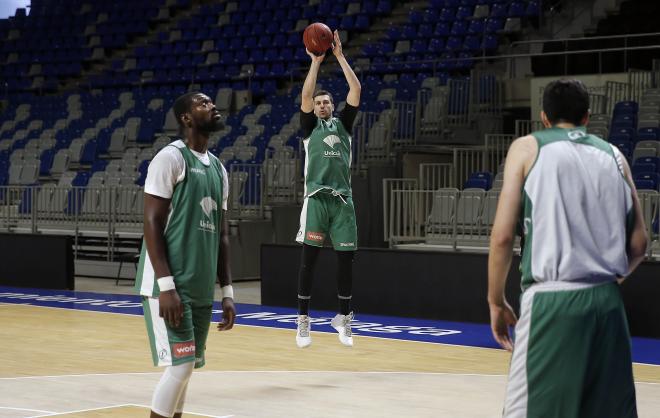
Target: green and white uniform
[328,205]
[197,186]
[572,354]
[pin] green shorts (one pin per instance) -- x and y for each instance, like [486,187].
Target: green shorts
[323,214]
[173,346]
[572,355]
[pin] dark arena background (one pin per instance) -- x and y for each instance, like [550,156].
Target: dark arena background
[86,95]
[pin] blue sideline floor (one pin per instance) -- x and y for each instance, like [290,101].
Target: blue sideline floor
[645,350]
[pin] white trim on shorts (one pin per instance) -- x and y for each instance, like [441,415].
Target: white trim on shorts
[159,330]
[300,237]
[516,398]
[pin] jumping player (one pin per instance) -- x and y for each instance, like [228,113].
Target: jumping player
[328,206]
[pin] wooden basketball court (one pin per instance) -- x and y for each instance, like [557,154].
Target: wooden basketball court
[73,363]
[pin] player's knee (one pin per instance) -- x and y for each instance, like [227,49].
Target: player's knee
[169,389]
[182,372]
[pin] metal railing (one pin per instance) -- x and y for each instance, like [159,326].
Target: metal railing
[570,48]
[525,127]
[465,162]
[598,103]
[245,197]
[77,211]
[373,134]
[487,93]
[406,123]
[390,184]
[616,92]
[431,112]
[496,147]
[463,218]
[458,103]
[281,179]
[433,176]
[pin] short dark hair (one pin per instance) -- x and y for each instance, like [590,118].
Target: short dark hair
[183,104]
[323,93]
[566,101]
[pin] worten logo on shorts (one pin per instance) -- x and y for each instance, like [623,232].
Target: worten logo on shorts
[186,349]
[331,140]
[315,236]
[208,206]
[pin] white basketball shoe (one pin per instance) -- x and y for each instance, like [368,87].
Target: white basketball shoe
[303,337]
[342,324]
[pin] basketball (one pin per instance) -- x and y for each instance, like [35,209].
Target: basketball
[317,38]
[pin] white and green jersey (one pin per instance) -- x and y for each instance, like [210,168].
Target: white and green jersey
[576,210]
[328,158]
[197,186]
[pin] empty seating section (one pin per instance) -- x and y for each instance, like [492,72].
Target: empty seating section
[87,152]
[445,37]
[634,128]
[57,40]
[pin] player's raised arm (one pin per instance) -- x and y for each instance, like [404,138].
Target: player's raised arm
[354,87]
[307,102]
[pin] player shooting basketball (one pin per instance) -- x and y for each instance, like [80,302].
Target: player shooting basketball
[328,204]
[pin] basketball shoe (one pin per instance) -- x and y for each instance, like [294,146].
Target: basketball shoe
[342,324]
[303,337]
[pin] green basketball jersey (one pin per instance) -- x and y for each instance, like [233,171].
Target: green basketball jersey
[328,158]
[192,233]
[576,210]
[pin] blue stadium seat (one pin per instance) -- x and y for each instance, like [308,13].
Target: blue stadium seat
[517,9]
[494,25]
[641,168]
[647,180]
[626,108]
[464,12]
[481,176]
[459,28]
[652,161]
[648,134]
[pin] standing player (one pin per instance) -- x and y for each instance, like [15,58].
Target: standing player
[187,250]
[582,231]
[328,206]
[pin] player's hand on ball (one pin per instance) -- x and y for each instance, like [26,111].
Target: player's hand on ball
[501,318]
[336,45]
[314,57]
[228,315]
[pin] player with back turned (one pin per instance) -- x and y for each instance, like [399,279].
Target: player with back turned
[573,198]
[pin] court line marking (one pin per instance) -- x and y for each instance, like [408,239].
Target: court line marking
[53,414]
[276,372]
[25,409]
[285,329]
[188,413]
[253,371]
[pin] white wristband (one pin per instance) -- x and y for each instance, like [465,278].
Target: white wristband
[166,283]
[227,291]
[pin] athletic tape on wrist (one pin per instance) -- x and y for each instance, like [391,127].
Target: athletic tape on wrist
[227,291]
[166,283]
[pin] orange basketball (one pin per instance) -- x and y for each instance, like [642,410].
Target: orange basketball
[317,38]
